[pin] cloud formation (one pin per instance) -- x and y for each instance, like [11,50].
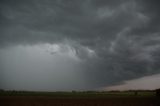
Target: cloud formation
[116,40]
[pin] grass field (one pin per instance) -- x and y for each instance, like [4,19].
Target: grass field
[88,98]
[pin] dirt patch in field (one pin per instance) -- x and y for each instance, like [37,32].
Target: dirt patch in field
[49,101]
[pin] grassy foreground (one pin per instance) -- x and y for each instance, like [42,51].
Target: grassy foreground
[74,98]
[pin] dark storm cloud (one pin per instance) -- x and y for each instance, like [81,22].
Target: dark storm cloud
[124,34]
[34,21]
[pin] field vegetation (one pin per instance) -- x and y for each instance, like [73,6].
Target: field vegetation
[80,98]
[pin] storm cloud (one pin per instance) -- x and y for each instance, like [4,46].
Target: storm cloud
[111,41]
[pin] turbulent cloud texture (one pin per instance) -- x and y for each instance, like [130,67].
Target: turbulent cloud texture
[115,40]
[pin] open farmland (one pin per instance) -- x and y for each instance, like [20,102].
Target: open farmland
[128,98]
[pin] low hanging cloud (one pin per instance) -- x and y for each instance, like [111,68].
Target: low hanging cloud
[146,83]
[115,40]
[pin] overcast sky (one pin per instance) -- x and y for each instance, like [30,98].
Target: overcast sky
[78,44]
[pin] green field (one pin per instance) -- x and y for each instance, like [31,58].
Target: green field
[82,94]
[77,98]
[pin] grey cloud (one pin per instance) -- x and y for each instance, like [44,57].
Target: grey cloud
[124,34]
[73,20]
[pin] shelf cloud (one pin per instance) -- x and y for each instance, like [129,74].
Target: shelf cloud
[109,41]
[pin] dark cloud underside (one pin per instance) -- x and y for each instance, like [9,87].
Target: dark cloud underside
[124,34]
